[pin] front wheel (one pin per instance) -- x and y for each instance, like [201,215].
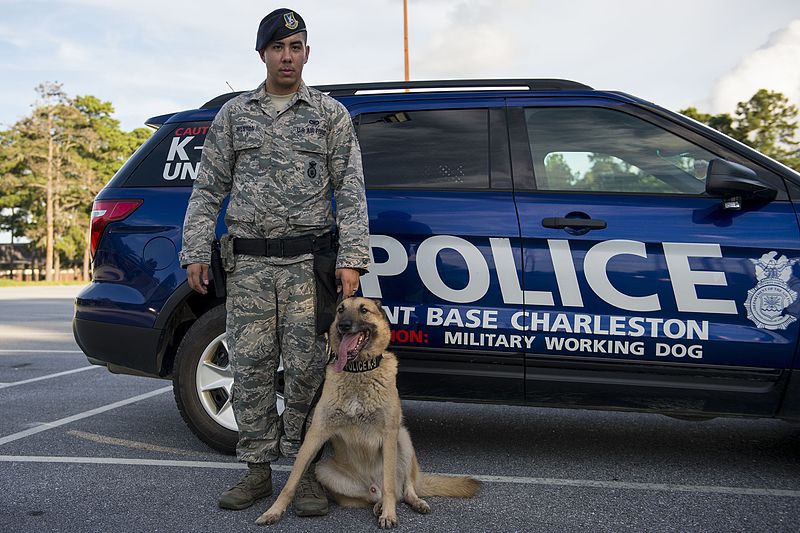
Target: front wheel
[203,380]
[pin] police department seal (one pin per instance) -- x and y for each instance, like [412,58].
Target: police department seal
[767,300]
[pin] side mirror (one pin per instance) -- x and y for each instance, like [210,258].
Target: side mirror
[734,183]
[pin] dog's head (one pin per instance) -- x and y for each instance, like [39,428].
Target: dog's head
[360,331]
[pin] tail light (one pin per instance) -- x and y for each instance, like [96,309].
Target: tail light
[105,211]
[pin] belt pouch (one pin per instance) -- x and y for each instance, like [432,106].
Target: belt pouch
[325,282]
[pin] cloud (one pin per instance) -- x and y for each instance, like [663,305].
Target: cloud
[773,67]
[74,53]
[467,40]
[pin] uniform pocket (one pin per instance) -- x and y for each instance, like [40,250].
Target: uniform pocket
[240,208]
[247,143]
[247,137]
[311,166]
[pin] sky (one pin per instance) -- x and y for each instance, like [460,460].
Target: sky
[152,57]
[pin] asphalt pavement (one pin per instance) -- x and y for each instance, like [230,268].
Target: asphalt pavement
[85,450]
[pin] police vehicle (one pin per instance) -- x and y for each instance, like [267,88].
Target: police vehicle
[533,242]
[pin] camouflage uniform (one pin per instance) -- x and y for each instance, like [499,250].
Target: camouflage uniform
[280,170]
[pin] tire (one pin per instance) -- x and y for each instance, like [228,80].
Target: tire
[203,380]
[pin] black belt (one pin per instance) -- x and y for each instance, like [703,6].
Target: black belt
[289,247]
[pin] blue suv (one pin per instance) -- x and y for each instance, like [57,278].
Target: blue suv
[533,242]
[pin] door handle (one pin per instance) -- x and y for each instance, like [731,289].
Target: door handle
[575,223]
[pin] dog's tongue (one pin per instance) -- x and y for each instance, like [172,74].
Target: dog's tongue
[348,342]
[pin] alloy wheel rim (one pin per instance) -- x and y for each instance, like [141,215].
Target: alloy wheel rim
[214,381]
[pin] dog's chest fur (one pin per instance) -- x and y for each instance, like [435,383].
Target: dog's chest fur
[361,398]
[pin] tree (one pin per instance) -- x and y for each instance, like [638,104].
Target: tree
[53,163]
[767,122]
[559,174]
[106,149]
[722,122]
[34,151]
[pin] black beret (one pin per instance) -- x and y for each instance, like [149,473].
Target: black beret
[277,25]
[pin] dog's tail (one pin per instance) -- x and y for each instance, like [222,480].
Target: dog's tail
[454,486]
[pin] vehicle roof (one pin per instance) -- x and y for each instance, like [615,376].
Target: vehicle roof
[418,91]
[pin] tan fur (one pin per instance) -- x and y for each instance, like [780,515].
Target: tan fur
[374,462]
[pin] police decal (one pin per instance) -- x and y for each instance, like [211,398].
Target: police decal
[183,159]
[767,300]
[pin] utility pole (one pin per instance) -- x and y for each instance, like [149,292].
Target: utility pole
[405,35]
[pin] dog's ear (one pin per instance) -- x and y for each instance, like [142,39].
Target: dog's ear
[381,309]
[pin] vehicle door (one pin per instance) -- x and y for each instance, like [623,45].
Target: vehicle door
[642,290]
[439,193]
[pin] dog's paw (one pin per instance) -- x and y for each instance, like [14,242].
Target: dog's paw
[386,521]
[421,506]
[377,510]
[268,518]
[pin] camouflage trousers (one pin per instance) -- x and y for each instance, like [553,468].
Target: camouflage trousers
[270,316]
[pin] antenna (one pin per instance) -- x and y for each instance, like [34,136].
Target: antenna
[229,86]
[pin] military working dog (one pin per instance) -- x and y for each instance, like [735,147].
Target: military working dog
[373,462]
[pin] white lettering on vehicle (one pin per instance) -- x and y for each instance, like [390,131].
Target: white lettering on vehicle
[492,340]
[395,265]
[595,346]
[684,280]
[478,282]
[178,164]
[178,148]
[634,326]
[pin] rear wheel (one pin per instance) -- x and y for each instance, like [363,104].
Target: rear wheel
[203,380]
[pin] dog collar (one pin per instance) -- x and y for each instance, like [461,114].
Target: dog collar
[363,366]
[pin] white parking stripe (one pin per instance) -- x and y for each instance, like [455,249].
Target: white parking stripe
[664,487]
[125,461]
[79,416]
[48,376]
[554,482]
[38,351]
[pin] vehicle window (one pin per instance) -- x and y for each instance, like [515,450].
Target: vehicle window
[601,150]
[174,162]
[426,149]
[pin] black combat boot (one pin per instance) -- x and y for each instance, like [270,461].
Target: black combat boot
[256,484]
[310,498]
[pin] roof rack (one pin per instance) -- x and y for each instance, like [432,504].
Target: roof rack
[351,89]
[531,85]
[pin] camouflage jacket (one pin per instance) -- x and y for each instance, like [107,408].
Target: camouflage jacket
[279,170]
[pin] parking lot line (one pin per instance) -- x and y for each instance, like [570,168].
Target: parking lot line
[127,461]
[552,482]
[7,351]
[48,376]
[79,416]
[662,487]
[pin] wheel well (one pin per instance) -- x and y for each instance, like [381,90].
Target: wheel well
[185,313]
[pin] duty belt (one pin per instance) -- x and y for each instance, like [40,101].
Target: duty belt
[289,247]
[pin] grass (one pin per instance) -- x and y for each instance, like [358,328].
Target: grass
[15,283]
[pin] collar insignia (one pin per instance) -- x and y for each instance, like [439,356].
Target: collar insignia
[363,366]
